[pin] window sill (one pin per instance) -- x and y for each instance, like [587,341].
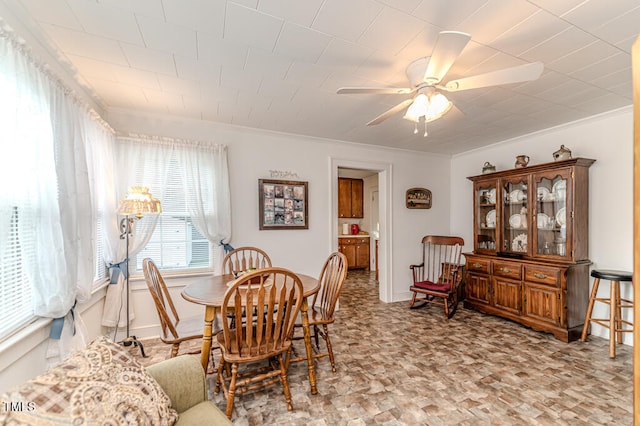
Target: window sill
[172,280]
[28,337]
[176,274]
[23,340]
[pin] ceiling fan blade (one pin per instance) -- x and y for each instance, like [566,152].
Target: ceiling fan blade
[390,112]
[517,74]
[375,90]
[447,49]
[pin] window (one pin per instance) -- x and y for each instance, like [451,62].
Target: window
[15,288]
[175,244]
[21,215]
[100,270]
[42,177]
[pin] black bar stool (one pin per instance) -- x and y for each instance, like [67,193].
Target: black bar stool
[615,322]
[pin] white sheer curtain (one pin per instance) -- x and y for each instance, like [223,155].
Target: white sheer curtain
[73,131]
[28,176]
[138,163]
[45,178]
[206,182]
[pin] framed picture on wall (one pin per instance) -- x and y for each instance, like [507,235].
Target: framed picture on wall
[283,204]
[418,198]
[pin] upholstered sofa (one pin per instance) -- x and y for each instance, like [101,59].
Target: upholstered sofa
[104,384]
[183,379]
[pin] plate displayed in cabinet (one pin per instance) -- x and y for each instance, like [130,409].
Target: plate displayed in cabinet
[491,219]
[544,194]
[544,221]
[561,217]
[559,190]
[491,196]
[559,185]
[516,195]
[516,221]
[519,243]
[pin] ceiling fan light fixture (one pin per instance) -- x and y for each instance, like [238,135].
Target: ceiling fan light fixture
[431,107]
[439,105]
[418,108]
[411,115]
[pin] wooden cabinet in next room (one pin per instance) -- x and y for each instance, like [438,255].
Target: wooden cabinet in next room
[350,198]
[356,249]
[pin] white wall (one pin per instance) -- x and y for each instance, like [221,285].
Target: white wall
[252,154]
[606,138]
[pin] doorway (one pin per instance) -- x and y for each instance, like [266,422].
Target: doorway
[367,206]
[383,213]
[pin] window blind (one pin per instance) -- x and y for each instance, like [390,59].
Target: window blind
[15,287]
[100,265]
[175,243]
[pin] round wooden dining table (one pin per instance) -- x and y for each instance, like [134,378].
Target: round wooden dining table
[209,291]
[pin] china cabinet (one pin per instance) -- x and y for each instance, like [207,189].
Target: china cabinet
[530,260]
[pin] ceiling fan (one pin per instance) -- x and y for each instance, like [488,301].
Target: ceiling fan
[426,74]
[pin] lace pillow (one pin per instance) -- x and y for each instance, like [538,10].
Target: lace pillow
[101,384]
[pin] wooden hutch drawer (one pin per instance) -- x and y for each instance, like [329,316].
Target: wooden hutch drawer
[538,274]
[507,270]
[478,265]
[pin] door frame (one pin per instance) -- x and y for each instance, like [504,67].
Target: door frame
[373,261]
[384,171]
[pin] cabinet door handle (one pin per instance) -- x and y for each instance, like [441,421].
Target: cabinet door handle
[505,270]
[539,276]
[477,265]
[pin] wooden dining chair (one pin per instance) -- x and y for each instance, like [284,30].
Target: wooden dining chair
[276,295]
[321,311]
[439,274]
[244,259]
[174,331]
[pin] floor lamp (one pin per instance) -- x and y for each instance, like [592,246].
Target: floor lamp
[138,203]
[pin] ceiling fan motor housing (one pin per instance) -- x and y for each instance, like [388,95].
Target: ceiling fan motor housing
[415,71]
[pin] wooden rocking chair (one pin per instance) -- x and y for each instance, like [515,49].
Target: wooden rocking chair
[440,273]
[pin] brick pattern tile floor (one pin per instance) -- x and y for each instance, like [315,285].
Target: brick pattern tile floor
[397,366]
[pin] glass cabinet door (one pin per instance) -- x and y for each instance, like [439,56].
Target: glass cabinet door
[486,216]
[551,214]
[515,223]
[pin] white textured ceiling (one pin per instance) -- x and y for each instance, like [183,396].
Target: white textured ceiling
[276,64]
